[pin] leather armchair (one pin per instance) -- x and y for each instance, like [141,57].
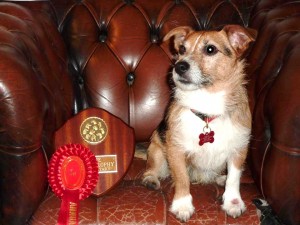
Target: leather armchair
[59,57]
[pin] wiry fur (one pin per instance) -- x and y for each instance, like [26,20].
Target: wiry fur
[212,85]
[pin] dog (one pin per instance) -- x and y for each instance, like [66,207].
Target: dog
[207,125]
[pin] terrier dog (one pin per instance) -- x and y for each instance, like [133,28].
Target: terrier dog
[206,129]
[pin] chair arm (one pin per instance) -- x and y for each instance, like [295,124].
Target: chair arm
[36,97]
[274,93]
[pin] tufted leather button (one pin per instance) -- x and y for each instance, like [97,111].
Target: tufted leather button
[154,37]
[129,2]
[103,35]
[130,78]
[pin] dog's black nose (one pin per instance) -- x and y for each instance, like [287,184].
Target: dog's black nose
[182,67]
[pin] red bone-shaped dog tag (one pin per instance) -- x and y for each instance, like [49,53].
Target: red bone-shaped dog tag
[207,137]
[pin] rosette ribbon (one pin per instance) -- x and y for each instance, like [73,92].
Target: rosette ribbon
[72,175]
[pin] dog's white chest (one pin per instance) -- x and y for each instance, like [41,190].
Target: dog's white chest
[203,101]
[228,140]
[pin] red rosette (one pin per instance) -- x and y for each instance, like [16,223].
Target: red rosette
[72,175]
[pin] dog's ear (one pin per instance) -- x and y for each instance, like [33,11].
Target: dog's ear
[179,34]
[240,37]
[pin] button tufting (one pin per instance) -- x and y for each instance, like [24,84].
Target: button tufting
[154,37]
[128,2]
[130,78]
[103,35]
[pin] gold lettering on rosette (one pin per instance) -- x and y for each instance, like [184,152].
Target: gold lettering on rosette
[93,130]
[107,163]
[72,213]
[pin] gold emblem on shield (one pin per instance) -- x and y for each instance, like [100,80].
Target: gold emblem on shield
[93,130]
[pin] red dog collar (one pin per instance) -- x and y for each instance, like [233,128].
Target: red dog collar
[207,119]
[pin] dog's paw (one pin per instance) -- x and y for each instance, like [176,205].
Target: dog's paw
[151,182]
[234,206]
[183,208]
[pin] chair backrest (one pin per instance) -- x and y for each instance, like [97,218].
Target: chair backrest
[118,56]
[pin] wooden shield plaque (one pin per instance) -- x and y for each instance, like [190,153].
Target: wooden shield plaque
[108,137]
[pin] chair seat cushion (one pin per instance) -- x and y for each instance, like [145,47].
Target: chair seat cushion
[128,203]
[131,203]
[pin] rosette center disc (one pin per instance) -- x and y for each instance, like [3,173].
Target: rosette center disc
[73,172]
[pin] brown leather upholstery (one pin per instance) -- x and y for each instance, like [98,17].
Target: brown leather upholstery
[58,57]
[274,77]
[36,98]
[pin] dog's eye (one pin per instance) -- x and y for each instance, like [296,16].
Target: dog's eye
[211,50]
[181,49]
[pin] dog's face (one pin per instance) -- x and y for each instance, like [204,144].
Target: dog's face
[207,59]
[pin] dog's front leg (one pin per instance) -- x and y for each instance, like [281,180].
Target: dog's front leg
[233,204]
[182,206]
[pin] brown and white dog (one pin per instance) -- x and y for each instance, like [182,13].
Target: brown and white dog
[207,125]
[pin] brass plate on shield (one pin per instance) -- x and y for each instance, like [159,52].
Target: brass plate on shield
[107,163]
[93,130]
